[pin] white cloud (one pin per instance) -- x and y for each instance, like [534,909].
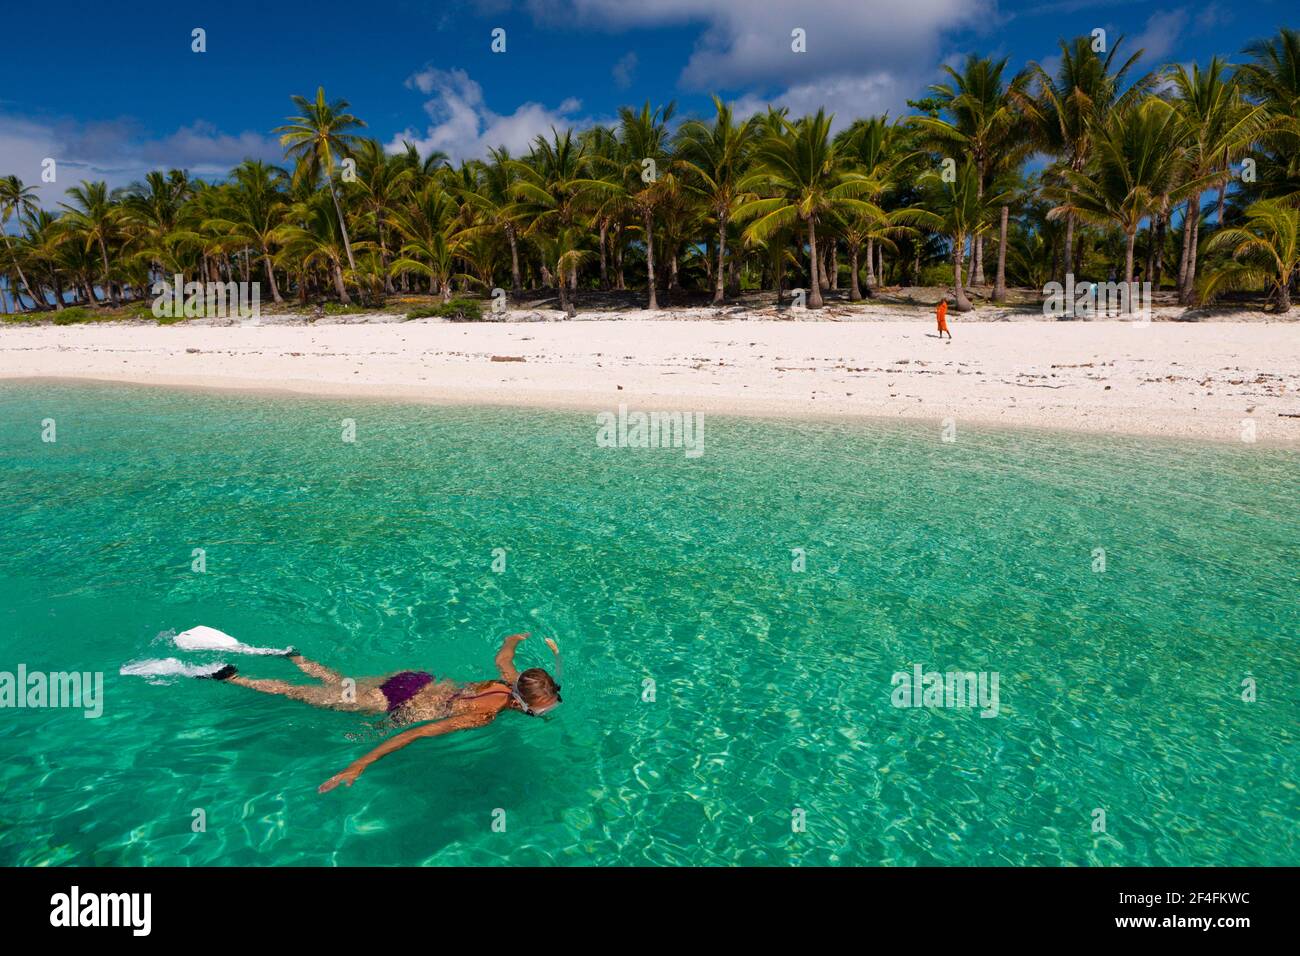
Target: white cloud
[464,127]
[847,97]
[623,70]
[863,56]
[118,152]
[1158,37]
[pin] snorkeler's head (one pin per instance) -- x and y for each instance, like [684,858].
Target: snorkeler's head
[538,690]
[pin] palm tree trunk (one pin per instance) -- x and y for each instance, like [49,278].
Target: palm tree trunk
[855,289]
[777,268]
[1190,218]
[37,300]
[814,291]
[871,263]
[720,280]
[1158,260]
[343,225]
[340,287]
[1000,286]
[383,255]
[650,259]
[604,258]
[1131,241]
[958,257]
[1069,244]
[1283,298]
[109,293]
[1191,238]
[516,279]
[880,265]
[564,295]
[270,275]
[835,265]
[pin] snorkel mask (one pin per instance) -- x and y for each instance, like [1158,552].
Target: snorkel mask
[559,675]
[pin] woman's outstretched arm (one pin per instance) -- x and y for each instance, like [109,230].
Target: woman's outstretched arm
[450,725]
[505,659]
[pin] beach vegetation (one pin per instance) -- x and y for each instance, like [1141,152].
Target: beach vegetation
[1094,164]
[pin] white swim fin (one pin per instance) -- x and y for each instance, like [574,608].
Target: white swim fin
[203,638]
[170,667]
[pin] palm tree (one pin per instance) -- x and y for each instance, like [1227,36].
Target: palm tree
[492,199]
[984,125]
[553,193]
[799,173]
[562,251]
[44,244]
[17,200]
[426,223]
[95,220]
[422,169]
[252,211]
[314,239]
[715,155]
[879,151]
[316,138]
[610,206]
[644,138]
[1265,251]
[1138,160]
[381,181]
[960,209]
[1222,126]
[1068,108]
[152,210]
[1272,78]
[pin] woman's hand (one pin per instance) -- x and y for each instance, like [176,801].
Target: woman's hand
[348,776]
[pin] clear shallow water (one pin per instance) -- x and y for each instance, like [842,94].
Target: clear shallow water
[1118,690]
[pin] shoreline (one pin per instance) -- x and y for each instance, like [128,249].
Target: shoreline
[1181,380]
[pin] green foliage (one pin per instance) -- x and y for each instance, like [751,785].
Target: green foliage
[75,316]
[337,308]
[457,310]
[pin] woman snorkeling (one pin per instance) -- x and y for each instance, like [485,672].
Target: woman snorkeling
[415,697]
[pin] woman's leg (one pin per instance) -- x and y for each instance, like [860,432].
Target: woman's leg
[318,671]
[365,696]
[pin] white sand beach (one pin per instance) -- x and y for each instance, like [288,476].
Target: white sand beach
[1181,379]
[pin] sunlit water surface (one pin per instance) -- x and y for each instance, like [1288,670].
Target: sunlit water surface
[1119,690]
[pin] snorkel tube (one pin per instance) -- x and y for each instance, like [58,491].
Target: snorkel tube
[559,674]
[559,661]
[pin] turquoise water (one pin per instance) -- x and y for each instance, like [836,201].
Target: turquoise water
[772,688]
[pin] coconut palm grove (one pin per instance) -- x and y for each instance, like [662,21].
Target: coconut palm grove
[1186,176]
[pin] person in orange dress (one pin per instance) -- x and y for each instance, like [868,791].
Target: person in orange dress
[941,313]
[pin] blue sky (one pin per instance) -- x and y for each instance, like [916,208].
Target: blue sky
[111,90]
